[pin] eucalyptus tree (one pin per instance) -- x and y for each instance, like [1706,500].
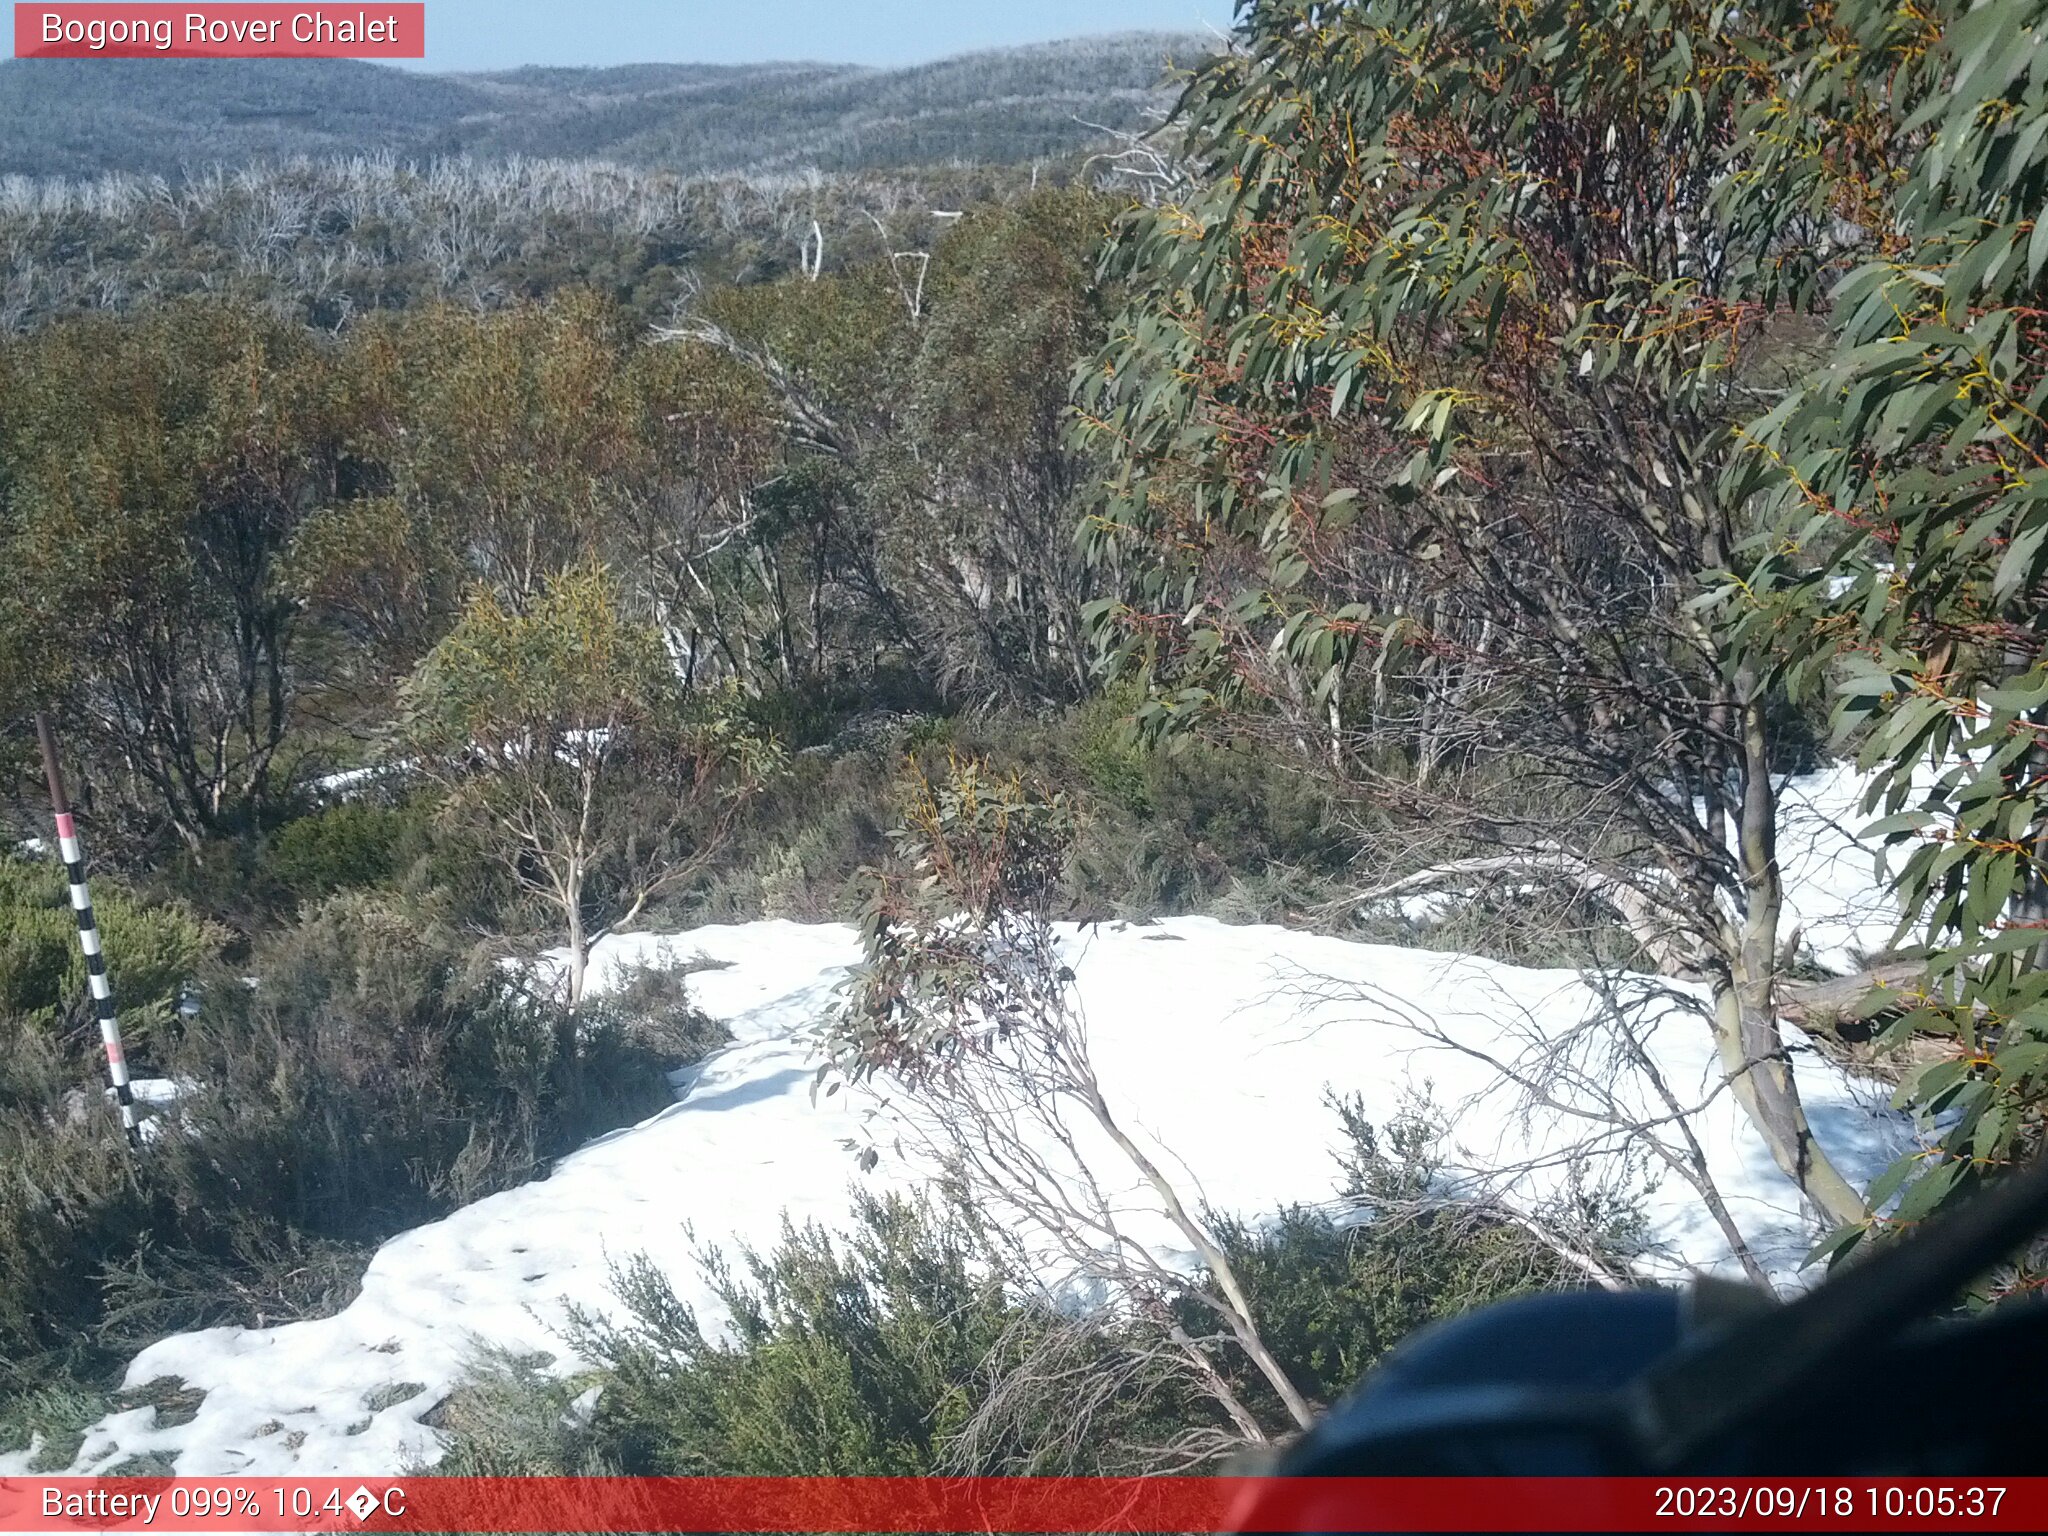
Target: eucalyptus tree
[919,509]
[561,734]
[156,472]
[503,447]
[1417,417]
[989,533]
[1908,570]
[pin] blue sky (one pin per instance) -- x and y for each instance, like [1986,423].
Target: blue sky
[502,34]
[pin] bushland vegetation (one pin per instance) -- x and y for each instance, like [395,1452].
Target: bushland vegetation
[896,1349]
[1477,454]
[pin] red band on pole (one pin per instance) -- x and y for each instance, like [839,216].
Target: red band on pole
[930,1505]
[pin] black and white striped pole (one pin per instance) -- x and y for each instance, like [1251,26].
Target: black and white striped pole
[88,933]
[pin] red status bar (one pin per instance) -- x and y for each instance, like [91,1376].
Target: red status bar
[1049,1504]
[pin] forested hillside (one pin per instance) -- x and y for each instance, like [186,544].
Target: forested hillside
[326,241]
[179,117]
[1469,484]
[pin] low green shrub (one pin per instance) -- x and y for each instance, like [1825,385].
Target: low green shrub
[647,1010]
[892,1350]
[799,847]
[862,1355]
[402,1072]
[50,1413]
[1208,829]
[517,1418]
[1334,1290]
[152,948]
[345,847]
[376,1073]
[845,1359]
[71,1195]
[1116,765]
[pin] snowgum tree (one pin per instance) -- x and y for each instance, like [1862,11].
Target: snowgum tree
[1417,420]
[966,1012]
[561,730]
[1908,568]
[153,474]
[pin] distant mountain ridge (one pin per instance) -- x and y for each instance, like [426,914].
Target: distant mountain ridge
[167,117]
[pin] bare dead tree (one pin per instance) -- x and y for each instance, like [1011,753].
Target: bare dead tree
[1142,162]
[967,1021]
[1595,1082]
[1012,1106]
[1640,898]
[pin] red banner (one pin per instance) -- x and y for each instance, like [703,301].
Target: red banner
[1052,1504]
[112,31]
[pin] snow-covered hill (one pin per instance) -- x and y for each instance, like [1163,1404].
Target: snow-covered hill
[1219,1043]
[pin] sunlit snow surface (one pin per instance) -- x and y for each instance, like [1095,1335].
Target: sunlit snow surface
[1831,892]
[1217,1043]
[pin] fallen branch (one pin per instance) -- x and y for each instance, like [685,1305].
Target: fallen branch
[1648,920]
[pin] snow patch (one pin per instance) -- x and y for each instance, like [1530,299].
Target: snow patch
[1832,892]
[1237,1028]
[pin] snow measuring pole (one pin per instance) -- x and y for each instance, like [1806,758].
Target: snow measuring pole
[88,932]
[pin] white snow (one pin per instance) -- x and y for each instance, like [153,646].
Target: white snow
[160,1092]
[1217,1043]
[341,785]
[159,1096]
[1831,891]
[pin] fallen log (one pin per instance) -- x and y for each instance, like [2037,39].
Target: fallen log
[1835,1013]
[1838,997]
[1647,911]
